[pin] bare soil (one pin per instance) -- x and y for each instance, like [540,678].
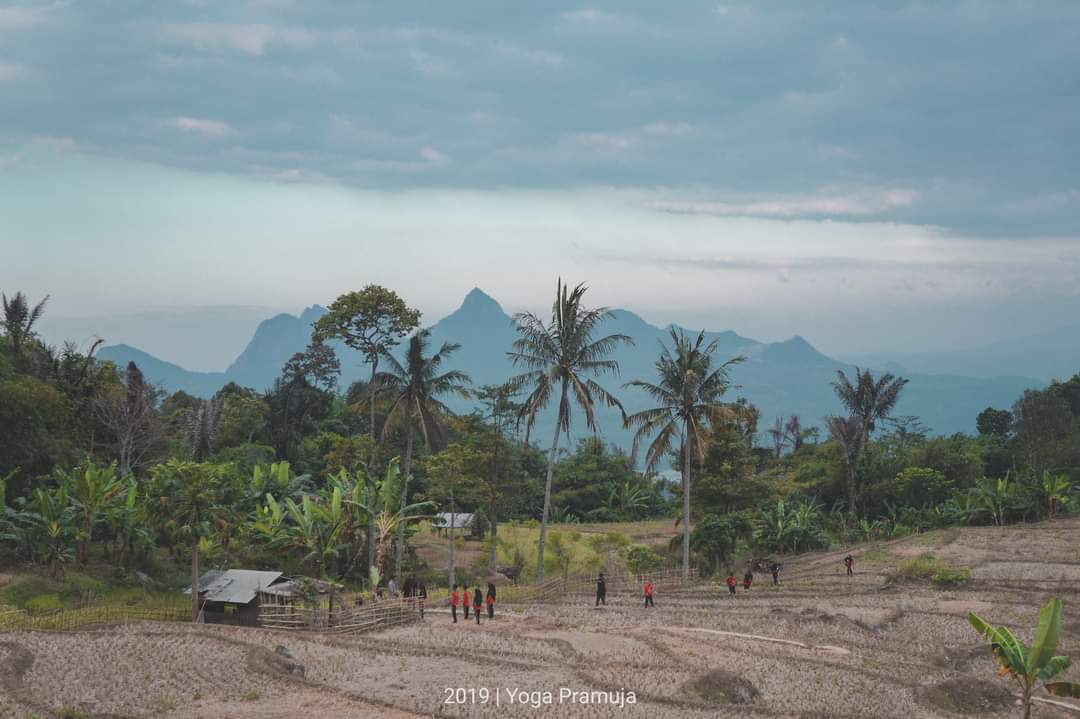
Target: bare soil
[820,645]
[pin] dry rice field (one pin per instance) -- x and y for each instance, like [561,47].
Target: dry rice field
[819,645]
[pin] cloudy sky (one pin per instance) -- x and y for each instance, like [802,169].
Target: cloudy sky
[876,176]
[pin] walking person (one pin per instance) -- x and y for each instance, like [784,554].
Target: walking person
[490,600]
[601,590]
[748,578]
[774,569]
[454,599]
[849,562]
[731,582]
[648,595]
[421,594]
[477,603]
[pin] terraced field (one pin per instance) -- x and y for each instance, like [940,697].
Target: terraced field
[820,645]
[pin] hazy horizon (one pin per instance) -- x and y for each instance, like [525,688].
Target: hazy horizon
[876,178]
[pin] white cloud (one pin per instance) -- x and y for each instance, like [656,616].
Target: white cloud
[825,204]
[19,17]
[250,39]
[12,72]
[199,126]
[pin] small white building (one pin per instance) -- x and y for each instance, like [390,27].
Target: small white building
[463,521]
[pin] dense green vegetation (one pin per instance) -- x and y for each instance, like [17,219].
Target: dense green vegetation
[100,469]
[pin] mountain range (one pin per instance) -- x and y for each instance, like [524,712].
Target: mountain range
[781,378]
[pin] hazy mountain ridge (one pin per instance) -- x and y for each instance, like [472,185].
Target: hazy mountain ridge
[1050,354]
[788,377]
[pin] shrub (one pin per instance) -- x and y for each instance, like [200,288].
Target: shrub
[43,604]
[640,558]
[928,568]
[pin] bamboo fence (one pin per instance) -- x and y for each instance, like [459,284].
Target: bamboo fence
[68,619]
[339,615]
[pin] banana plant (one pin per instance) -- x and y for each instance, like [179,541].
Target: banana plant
[317,527]
[91,490]
[53,512]
[1029,665]
[995,497]
[1054,489]
[391,516]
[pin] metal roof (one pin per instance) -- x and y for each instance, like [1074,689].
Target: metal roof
[236,586]
[461,520]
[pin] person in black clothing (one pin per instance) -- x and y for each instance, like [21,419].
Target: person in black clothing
[601,590]
[849,562]
[477,602]
[421,593]
[490,599]
[774,568]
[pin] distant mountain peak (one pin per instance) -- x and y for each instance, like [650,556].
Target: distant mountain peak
[478,300]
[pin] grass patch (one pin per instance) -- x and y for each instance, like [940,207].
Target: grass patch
[878,554]
[928,568]
[252,695]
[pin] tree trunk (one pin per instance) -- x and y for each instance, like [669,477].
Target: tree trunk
[686,502]
[195,579]
[450,570]
[492,553]
[406,467]
[492,510]
[851,489]
[547,504]
[371,466]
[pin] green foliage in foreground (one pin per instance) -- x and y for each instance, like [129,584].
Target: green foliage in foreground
[1028,665]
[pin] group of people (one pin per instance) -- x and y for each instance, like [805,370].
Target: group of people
[410,588]
[479,600]
[748,576]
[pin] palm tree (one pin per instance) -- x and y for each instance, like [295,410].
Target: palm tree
[849,435]
[869,400]
[416,387]
[186,496]
[559,356]
[19,320]
[779,434]
[688,393]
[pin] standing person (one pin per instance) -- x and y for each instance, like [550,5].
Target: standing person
[421,594]
[601,590]
[774,568]
[477,603]
[731,582]
[466,598]
[748,578]
[849,562]
[490,600]
[648,595]
[454,598]
[392,587]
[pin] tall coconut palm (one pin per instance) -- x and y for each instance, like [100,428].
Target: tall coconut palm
[415,388]
[560,356]
[869,400]
[19,320]
[849,435]
[689,392]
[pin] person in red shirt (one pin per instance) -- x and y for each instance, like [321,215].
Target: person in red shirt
[477,603]
[454,599]
[648,595]
[731,582]
[490,600]
[465,600]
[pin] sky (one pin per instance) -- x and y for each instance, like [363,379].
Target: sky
[874,176]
